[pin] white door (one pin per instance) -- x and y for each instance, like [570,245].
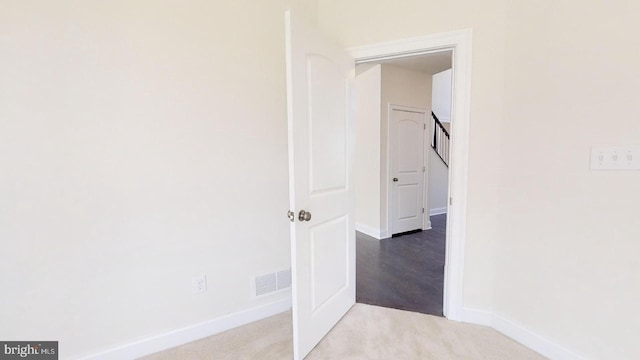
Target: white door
[406,164]
[319,93]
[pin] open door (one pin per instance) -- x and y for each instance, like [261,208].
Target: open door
[319,96]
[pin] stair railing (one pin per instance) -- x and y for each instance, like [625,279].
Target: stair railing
[441,140]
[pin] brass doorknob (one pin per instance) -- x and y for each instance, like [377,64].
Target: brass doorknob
[304,215]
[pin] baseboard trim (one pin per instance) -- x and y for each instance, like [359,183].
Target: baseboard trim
[191,333]
[373,232]
[438,211]
[427,225]
[519,333]
[478,317]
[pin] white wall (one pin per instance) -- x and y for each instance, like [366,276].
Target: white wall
[551,247]
[567,262]
[438,190]
[438,171]
[141,143]
[400,86]
[441,95]
[367,153]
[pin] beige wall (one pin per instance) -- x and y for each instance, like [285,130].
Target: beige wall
[367,153]
[134,138]
[405,87]
[355,24]
[132,135]
[567,262]
[551,246]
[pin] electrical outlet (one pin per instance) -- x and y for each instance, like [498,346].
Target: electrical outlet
[199,284]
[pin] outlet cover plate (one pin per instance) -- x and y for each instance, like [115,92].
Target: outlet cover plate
[615,158]
[199,284]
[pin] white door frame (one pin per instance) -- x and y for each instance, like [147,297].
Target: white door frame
[425,223]
[460,42]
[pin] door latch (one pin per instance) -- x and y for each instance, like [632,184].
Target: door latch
[291,215]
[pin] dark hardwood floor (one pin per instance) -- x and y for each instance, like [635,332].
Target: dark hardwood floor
[404,272]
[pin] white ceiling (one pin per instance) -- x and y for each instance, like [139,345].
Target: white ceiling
[428,63]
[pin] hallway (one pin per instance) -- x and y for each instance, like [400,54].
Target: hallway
[405,272]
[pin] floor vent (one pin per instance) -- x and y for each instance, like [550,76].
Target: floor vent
[268,283]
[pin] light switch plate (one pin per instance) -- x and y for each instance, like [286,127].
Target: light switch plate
[615,158]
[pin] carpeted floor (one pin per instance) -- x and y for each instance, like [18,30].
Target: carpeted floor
[366,332]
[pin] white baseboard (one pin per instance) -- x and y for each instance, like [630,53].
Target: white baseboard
[191,333]
[519,333]
[478,317]
[438,211]
[373,232]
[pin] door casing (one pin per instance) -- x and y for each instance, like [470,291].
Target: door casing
[460,42]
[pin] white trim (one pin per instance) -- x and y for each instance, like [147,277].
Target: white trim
[406,108]
[461,44]
[532,340]
[427,164]
[520,334]
[426,218]
[377,233]
[438,211]
[373,232]
[476,316]
[427,224]
[191,333]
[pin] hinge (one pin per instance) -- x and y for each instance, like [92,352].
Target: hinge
[423,210]
[450,201]
[424,168]
[425,126]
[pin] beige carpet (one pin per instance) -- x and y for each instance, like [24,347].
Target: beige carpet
[366,332]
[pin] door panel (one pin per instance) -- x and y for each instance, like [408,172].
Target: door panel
[328,138]
[409,146]
[406,149]
[407,195]
[319,91]
[328,278]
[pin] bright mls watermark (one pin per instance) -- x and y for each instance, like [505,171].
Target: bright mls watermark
[10,350]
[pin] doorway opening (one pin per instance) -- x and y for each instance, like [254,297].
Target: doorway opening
[319,107]
[398,99]
[458,44]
